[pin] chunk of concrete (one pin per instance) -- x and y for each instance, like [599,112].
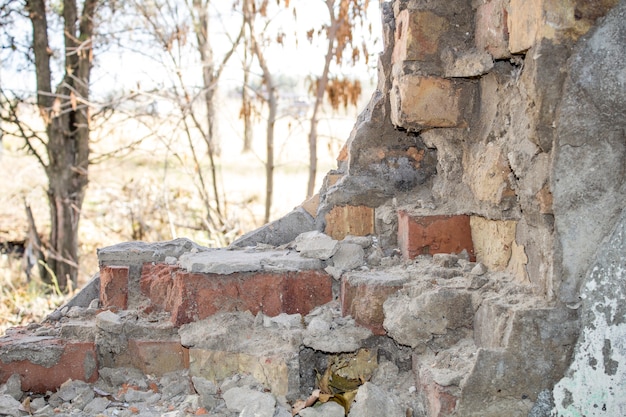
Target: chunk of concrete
[9,406]
[226,262]
[250,403]
[138,253]
[329,409]
[317,245]
[12,387]
[278,232]
[414,321]
[372,401]
[348,256]
[109,322]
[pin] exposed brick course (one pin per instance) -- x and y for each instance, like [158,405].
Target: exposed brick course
[349,220]
[418,102]
[363,295]
[492,32]
[433,234]
[114,286]
[69,360]
[194,296]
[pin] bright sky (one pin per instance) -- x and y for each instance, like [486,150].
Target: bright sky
[117,70]
[297,57]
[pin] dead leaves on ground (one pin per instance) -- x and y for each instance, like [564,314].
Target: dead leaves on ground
[341,380]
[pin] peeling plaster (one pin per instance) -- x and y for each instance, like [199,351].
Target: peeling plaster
[595,384]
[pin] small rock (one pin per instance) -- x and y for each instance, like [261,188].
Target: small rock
[334,272]
[283,321]
[191,401]
[70,390]
[467,64]
[37,404]
[173,384]
[479,269]
[116,377]
[329,409]
[478,281]
[348,256]
[56,315]
[95,406]
[12,387]
[282,412]
[250,403]
[94,304]
[76,311]
[445,260]
[348,338]
[207,391]
[371,401]
[317,245]
[133,396]
[109,322]
[318,324]
[9,406]
[363,241]
[83,398]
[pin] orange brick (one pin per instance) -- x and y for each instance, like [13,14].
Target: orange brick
[311,205]
[433,234]
[349,220]
[492,32]
[76,360]
[418,102]
[524,20]
[417,36]
[114,287]
[156,283]
[195,296]
[363,296]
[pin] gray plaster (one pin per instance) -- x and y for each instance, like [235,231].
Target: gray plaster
[278,232]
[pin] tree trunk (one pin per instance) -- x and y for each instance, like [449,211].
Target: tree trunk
[272,103]
[209,79]
[322,82]
[66,116]
[246,102]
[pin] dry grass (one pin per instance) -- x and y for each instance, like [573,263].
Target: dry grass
[149,194]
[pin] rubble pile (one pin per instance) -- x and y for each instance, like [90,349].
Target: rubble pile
[410,336]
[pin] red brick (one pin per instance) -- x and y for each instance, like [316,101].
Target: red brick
[156,283]
[158,357]
[349,220]
[434,234]
[197,296]
[77,360]
[363,295]
[305,290]
[492,32]
[114,287]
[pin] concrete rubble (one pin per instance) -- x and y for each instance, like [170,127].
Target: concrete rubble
[464,259]
[238,363]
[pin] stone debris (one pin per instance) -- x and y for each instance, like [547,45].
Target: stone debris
[413,318]
[316,245]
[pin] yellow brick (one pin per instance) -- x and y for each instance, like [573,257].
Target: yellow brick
[349,220]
